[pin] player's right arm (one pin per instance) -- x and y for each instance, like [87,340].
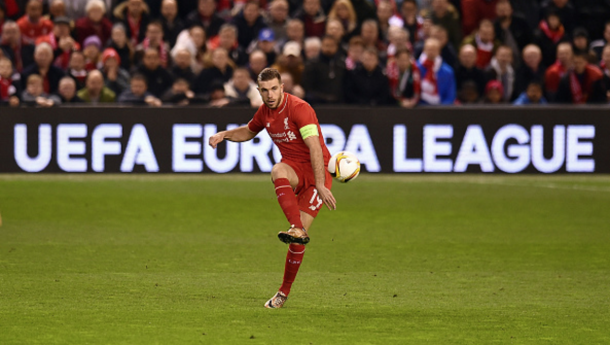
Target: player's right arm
[238,134]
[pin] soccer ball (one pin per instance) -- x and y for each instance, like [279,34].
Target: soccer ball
[344,166]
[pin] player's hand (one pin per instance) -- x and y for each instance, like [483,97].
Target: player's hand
[327,197]
[216,139]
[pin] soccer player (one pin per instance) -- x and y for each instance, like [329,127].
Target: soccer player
[302,182]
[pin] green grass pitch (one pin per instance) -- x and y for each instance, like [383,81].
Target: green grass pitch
[405,259]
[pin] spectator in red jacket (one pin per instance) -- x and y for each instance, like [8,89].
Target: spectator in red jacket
[32,25]
[473,11]
[95,23]
[583,84]
[313,17]
[558,69]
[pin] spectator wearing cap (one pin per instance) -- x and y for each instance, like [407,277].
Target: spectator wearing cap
[324,76]
[549,34]
[485,43]
[95,23]
[598,45]
[512,30]
[467,71]
[118,41]
[158,78]
[242,89]
[117,79]
[312,15]
[558,69]
[182,66]
[494,92]
[67,91]
[291,61]
[137,93]
[62,42]
[583,84]
[206,17]
[277,18]
[95,92]
[366,84]
[437,77]
[530,70]
[501,69]
[267,44]
[249,23]
[32,25]
[580,44]
[172,24]
[133,14]
[92,48]
[220,72]
[256,63]
[473,11]
[154,40]
[43,59]
[21,54]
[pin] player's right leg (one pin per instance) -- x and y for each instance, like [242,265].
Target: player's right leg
[286,180]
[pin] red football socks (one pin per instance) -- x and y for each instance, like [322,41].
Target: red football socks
[288,201]
[293,262]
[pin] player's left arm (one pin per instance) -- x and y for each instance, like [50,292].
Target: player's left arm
[317,164]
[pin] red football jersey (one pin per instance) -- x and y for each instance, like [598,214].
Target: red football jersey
[30,31]
[283,125]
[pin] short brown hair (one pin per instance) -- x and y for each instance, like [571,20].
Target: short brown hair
[269,74]
[33,78]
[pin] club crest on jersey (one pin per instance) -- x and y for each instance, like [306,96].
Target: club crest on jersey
[286,124]
[268,125]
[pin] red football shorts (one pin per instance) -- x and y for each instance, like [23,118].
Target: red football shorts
[307,194]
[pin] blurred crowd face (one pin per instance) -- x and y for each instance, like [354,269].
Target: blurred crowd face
[34,10]
[504,56]
[329,47]
[198,36]
[355,52]
[408,10]
[91,52]
[35,87]
[118,37]
[384,11]
[369,34]
[432,48]
[342,11]
[135,7]
[67,88]
[61,30]
[311,7]
[560,3]
[77,61]
[169,9]
[312,49]
[440,34]
[288,82]
[95,82]
[266,46]
[278,10]
[220,58]
[607,33]
[57,8]
[206,7]
[183,59]
[295,31]
[494,96]
[554,22]
[580,64]
[403,61]
[6,68]
[138,87]
[11,33]
[251,12]
[258,62]
[564,53]
[180,86]
[534,92]
[581,43]
[241,79]
[96,13]
[606,56]
[227,38]
[486,32]
[532,57]
[468,56]
[43,57]
[151,59]
[439,7]
[504,10]
[369,60]
[155,34]
[111,63]
[334,28]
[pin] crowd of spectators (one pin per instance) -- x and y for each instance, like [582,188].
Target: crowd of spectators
[368,52]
